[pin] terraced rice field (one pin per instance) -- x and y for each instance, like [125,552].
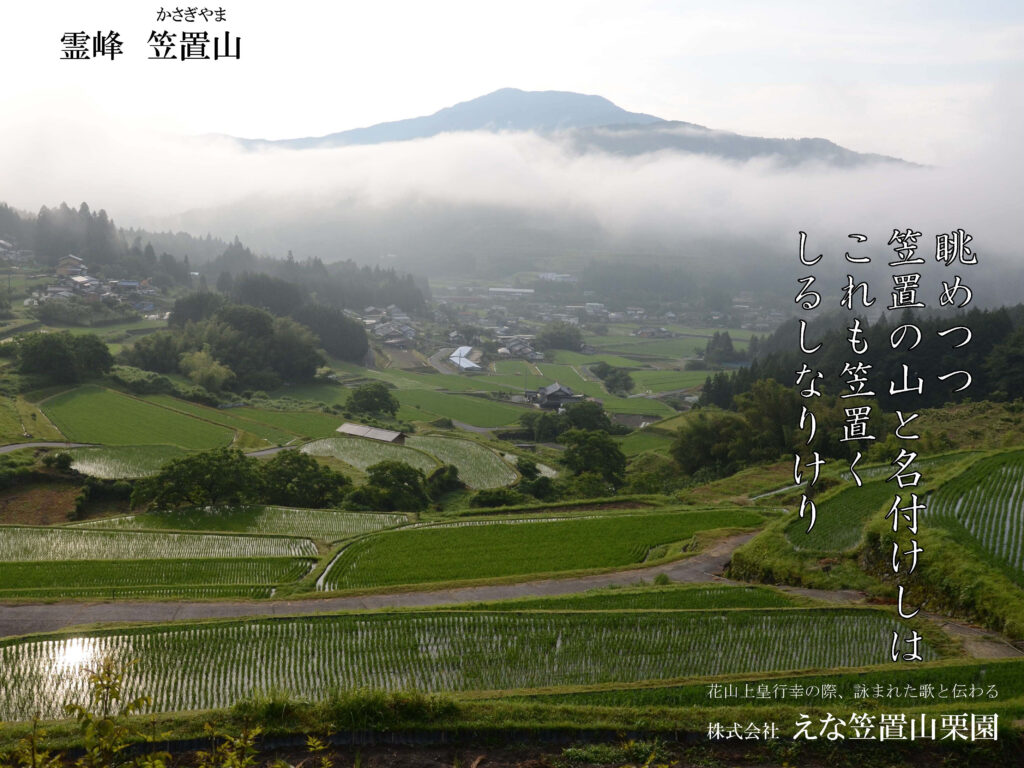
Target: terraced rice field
[644,440]
[87,576]
[478,411]
[666,349]
[226,417]
[176,592]
[643,406]
[578,358]
[481,549]
[322,524]
[479,467]
[303,423]
[123,461]
[841,518]
[362,453]
[987,501]
[515,382]
[887,470]
[665,381]
[188,667]
[92,414]
[513,367]
[22,543]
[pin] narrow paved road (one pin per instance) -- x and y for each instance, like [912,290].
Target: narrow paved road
[31,618]
[271,451]
[477,430]
[437,361]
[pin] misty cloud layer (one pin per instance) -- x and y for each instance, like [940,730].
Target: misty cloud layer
[317,202]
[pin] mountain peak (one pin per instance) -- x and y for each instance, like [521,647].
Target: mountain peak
[507,109]
[586,123]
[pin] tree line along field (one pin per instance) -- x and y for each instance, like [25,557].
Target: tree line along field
[200,666]
[482,549]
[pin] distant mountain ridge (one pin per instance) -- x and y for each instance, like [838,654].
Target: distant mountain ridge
[588,123]
[508,109]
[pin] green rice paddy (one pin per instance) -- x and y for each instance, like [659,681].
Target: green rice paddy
[482,549]
[322,524]
[200,666]
[92,414]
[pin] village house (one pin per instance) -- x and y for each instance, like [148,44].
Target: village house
[12,254]
[71,265]
[394,330]
[517,346]
[553,396]
[397,314]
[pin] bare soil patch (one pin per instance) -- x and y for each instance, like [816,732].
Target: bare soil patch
[38,504]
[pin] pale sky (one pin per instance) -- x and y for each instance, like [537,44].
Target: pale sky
[918,80]
[936,83]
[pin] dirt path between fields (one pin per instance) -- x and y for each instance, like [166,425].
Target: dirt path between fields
[41,617]
[979,643]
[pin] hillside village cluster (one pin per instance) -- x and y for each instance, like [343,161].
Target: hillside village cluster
[509,315]
[469,327]
[73,281]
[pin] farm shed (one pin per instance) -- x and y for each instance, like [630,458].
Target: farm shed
[460,359]
[372,433]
